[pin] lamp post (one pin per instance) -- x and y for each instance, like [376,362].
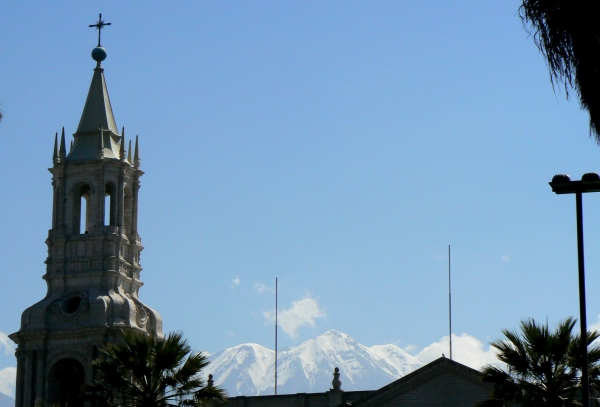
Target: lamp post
[562,184]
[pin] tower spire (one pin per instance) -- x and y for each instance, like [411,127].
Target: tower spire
[55,155]
[96,111]
[122,151]
[136,156]
[129,153]
[63,149]
[93,248]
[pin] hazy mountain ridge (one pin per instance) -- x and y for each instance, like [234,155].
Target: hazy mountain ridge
[248,369]
[6,401]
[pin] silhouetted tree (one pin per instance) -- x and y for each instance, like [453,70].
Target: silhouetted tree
[543,368]
[567,33]
[146,371]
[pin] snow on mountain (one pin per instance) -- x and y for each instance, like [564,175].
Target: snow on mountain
[403,362]
[241,369]
[248,369]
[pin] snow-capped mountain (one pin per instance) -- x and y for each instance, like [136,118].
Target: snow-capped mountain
[248,369]
[6,401]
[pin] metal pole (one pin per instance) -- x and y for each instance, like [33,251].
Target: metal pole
[450,302]
[582,312]
[275,335]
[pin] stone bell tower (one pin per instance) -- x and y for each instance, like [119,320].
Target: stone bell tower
[93,265]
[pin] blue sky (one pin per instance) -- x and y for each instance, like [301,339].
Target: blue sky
[338,146]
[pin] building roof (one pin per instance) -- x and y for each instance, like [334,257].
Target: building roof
[441,382]
[97,110]
[97,114]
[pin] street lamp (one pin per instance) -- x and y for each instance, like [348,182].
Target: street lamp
[562,184]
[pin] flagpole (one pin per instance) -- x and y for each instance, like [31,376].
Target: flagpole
[450,302]
[275,335]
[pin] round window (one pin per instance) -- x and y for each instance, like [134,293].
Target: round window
[70,305]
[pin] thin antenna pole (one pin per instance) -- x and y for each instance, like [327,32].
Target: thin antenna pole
[275,335]
[450,301]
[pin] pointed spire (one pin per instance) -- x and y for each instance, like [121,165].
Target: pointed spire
[63,151]
[96,112]
[55,155]
[70,148]
[129,153]
[101,143]
[136,156]
[122,151]
[97,107]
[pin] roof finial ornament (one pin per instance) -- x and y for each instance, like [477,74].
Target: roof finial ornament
[55,155]
[99,53]
[122,151]
[336,382]
[136,155]
[63,149]
[99,26]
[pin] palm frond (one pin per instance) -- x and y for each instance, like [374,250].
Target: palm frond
[152,372]
[542,366]
[567,33]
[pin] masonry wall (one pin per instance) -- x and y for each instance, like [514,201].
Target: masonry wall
[444,390]
[328,399]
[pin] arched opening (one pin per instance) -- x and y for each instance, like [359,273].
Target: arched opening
[110,207]
[81,210]
[107,209]
[67,378]
[83,215]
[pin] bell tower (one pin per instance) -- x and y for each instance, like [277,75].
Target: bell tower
[93,264]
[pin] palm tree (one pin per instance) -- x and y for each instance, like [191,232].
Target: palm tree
[146,371]
[567,33]
[542,367]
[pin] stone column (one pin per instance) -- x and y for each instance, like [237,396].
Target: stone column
[120,198]
[27,379]
[55,200]
[134,208]
[20,354]
[40,376]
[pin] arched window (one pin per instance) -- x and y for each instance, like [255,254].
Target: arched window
[67,378]
[81,210]
[110,207]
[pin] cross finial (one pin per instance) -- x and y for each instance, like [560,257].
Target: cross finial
[99,26]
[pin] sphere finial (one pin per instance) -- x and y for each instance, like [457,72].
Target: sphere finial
[99,54]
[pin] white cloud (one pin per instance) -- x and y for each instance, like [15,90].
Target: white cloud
[236,281]
[261,288]
[506,258]
[302,313]
[8,377]
[466,349]
[7,344]
[410,348]
[595,326]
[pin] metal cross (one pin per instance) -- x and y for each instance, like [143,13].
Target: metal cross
[99,26]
